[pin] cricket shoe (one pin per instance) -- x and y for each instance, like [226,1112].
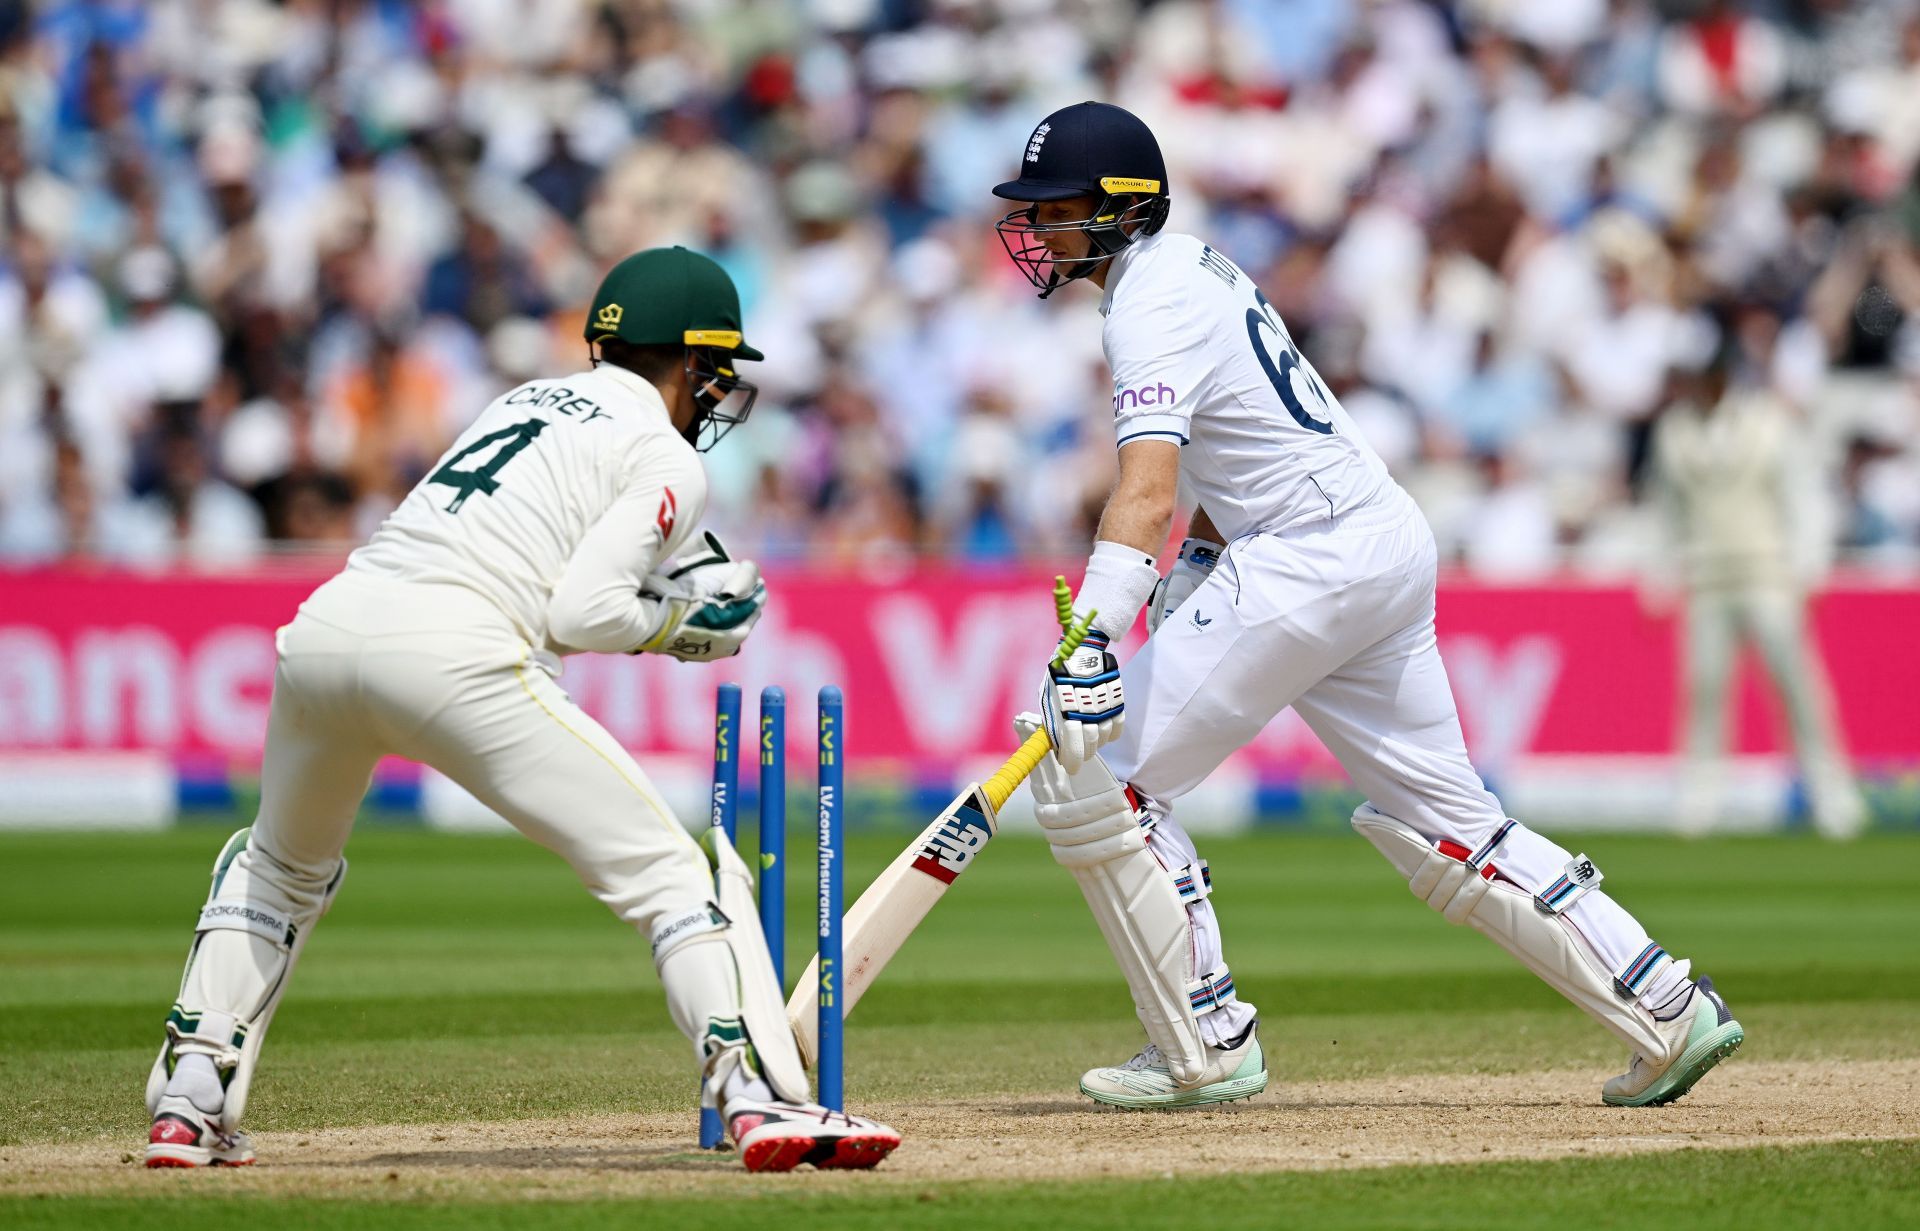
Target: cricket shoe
[1146,1081]
[1702,1035]
[775,1136]
[184,1136]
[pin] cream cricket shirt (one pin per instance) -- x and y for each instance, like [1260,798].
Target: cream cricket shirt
[1739,489]
[1200,357]
[555,505]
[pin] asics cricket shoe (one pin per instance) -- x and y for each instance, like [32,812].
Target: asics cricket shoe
[184,1136]
[1234,1072]
[776,1136]
[1700,1036]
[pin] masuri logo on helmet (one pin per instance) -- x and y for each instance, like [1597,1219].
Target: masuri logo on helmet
[1093,150]
[678,297]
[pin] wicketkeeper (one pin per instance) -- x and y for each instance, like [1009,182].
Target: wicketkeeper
[554,525]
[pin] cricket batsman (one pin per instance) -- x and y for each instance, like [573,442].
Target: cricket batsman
[553,526]
[1307,580]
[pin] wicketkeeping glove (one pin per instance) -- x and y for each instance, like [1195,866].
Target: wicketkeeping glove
[1082,702]
[708,604]
[1193,566]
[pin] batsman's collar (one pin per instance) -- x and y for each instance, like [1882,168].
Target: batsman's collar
[1124,260]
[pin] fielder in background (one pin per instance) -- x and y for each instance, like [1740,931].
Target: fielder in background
[1740,503]
[1306,580]
[553,526]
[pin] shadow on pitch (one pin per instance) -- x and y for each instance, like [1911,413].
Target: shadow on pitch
[546,1158]
[1268,1104]
[1084,1107]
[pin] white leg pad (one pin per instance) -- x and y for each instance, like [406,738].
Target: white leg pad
[228,991]
[1545,942]
[717,972]
[1097,836]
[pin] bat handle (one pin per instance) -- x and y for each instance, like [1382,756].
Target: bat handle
[1072,632]
[1008,777]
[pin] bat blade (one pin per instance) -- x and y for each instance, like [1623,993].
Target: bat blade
[894,905]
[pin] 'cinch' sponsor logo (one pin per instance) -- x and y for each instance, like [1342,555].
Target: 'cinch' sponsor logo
[1153,395]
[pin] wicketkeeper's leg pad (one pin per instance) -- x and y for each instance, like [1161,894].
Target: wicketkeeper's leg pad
[252,930]
[1098,835]
[1468,889]
[718,976]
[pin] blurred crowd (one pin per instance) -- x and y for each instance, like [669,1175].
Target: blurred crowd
[262,261]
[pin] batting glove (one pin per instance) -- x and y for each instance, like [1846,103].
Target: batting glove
[1083,703]
[1193,566]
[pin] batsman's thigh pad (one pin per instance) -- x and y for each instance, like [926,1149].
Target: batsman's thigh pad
[714,964]
[1532,927]
[1096,834]
[251,932]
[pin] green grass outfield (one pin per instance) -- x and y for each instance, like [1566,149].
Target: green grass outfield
[1860,1187]
[470,978]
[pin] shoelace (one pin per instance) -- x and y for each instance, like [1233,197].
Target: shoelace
[1147,1059]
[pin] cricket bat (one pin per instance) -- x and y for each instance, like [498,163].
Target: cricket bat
[900,897]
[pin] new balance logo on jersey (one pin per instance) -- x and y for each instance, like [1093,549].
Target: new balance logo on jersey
[1154,395]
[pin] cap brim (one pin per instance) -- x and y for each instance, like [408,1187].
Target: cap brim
[743,351]
[1040,190]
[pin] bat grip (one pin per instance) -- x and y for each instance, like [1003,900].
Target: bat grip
[1008,777]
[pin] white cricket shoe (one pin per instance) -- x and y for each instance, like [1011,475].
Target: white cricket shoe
[1701,1036]
[1146,1081]
[779,1136]
[184,1136]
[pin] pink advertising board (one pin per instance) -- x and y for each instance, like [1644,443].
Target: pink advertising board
[933,661]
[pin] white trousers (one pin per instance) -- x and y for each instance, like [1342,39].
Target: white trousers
[1772,618]
[1337,621]
[433,673]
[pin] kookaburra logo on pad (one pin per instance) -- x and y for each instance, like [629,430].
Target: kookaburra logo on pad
[1038,139]
[609,316]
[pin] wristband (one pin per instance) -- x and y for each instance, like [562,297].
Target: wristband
[1118,583]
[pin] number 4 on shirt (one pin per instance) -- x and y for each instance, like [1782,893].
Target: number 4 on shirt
[481,478]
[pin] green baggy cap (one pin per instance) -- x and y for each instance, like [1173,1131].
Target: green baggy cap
[669,296]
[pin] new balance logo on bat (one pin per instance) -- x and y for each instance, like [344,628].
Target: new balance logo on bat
[953,845]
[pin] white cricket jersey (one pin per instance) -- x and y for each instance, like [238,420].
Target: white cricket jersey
[555,504]
[1200,357]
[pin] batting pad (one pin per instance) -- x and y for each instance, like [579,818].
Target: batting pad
[736,979]
[1095,835]
[1467,891]
[251,932]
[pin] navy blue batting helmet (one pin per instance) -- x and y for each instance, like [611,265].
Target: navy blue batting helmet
[1094,150]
